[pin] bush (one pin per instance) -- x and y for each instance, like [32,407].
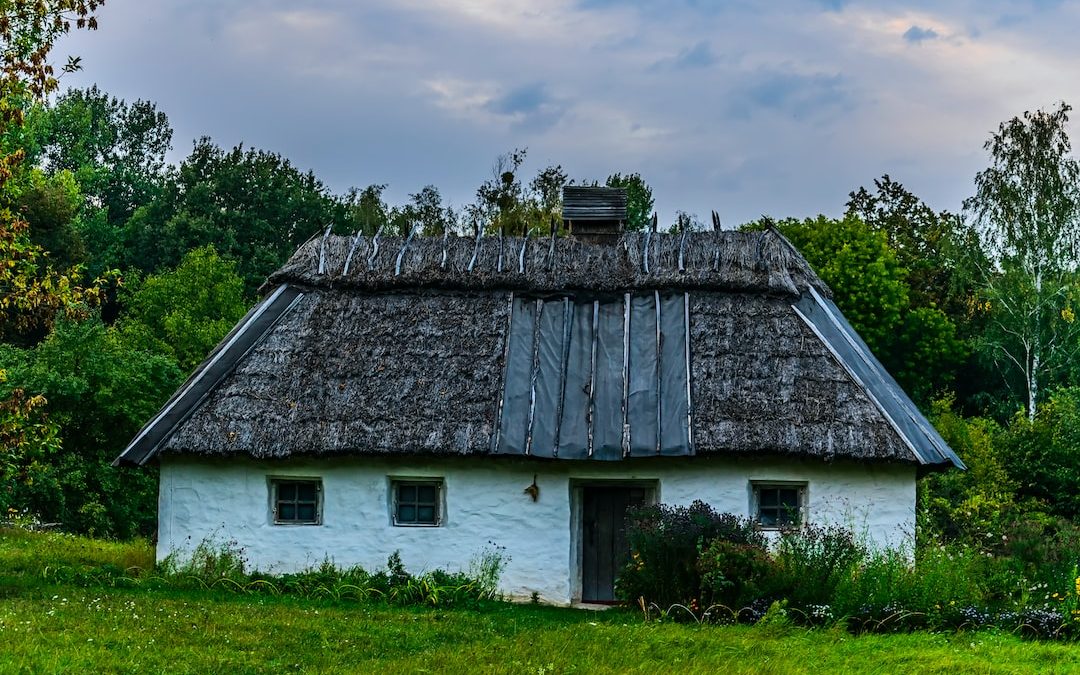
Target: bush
[1043,456]
[735,575]
[812,561]
[665,542]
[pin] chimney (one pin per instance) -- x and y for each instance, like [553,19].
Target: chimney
[596,215]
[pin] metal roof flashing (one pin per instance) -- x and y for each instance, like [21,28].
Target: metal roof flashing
[825,320]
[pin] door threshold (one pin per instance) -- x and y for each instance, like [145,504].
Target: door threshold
[595,605]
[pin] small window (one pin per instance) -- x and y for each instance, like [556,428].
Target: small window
[417,503]
[296,502]
[778,505]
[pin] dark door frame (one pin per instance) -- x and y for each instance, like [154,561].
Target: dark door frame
[577,532]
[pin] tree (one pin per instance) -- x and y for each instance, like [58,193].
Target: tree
[51,205]
[115,150]
[426,210]
[547,187]
[919,346]
[253,206]
[1043,454]
[366,209]
[31,292]
[1027,208]
[183,313]
[27,436]
[639,199]
[936,249]
[100,389]
[500,203]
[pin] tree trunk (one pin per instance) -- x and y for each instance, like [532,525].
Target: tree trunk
[1033,384]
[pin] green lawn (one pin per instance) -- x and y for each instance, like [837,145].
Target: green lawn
[58,628]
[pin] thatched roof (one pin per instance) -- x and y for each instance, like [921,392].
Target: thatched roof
[720,261]
[407,346]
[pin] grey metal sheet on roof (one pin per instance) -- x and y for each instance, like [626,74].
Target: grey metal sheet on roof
[241,340]
[825,319]
[578,385]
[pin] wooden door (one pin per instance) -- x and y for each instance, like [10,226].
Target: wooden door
[604,549]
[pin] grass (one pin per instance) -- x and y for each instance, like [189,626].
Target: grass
[62,628]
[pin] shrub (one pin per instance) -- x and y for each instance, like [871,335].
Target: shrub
[665,542]
[811,561]
[1043,456]
[734,575]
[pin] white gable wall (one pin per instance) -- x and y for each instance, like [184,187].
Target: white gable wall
[484,499]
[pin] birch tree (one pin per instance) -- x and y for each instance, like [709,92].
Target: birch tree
[1026,208]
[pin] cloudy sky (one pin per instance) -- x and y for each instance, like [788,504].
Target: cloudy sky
[748,108]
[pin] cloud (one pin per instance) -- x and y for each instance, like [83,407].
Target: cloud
[697,55]
[525,100]
[791,93]
[752,107]
[528,107]
[918,34]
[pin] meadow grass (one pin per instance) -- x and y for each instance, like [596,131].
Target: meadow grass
[47,627]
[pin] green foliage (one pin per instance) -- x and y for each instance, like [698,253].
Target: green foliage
[812,561]
[734,574]
[863,272]
[426,211]
[218,565]
[1039,547]
[184,313]
[937,250]
[1043,455]
[665,542]
[970,505]
[114,152]
[27,439]
[25,552]
[639,199]
[1027,206]
[150,625]
[547,188]
[51,206]
[500,201]
[252,206]
[926,353]
[919,346]
[100,391]
[115,149]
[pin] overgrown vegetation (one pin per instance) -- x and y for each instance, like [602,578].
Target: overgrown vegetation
[50,625]
[823,576]
[221,566]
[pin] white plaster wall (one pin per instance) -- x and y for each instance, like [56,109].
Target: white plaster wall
[484,501]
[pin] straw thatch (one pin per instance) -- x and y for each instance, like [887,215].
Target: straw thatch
[398,346]
[348,373]
[734,261]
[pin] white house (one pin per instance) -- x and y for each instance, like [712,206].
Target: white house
[436,396]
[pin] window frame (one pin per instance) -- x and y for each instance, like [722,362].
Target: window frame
[439,504]
[801,490]
[275,483]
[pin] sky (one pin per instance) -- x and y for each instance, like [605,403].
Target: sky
[749,108]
